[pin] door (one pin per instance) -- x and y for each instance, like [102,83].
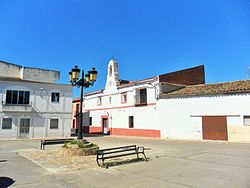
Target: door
[24,129]
[105,125]
[214,127]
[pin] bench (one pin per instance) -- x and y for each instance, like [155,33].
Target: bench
[54,141]
[110,153]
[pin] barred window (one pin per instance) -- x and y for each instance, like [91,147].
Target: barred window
[7,123]
[53,123]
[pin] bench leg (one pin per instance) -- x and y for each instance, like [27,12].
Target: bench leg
[103,162]
[145,156]
[97,160]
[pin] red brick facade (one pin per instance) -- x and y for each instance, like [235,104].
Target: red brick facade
[192,76]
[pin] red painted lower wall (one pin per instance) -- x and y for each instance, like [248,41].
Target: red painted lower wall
[95,129]
[128,132]
[136,132]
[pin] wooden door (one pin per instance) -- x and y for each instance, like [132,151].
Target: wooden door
[214,127]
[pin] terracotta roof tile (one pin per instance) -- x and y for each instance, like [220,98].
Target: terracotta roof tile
[242,86]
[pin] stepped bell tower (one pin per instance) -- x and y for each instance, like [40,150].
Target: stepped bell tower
[112,77]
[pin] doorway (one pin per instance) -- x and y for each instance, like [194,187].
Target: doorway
[24,129]
[105,125]
[214,127]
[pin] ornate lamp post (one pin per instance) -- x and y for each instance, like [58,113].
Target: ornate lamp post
[83,82]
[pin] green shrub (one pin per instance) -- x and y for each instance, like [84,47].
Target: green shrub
[80,143]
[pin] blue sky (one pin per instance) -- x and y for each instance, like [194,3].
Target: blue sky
[146,37]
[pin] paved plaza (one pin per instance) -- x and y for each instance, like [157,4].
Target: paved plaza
[171,163]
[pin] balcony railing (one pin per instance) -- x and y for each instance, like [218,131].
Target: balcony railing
[16,107]
[140,100]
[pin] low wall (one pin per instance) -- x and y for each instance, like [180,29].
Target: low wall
[239,133]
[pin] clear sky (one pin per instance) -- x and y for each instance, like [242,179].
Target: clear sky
[146,37]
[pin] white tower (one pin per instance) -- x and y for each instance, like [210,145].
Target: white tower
[112,77]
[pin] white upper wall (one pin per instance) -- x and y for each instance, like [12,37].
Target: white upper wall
[9,70]
[40,96]
[115,99]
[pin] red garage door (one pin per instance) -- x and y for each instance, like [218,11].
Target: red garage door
[214,127]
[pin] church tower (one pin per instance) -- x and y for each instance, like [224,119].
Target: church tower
[112,77]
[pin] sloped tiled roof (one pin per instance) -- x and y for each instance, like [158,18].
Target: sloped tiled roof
[242,86]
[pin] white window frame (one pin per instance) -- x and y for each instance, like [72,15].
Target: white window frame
[123,101]
[99,101]
[246,120]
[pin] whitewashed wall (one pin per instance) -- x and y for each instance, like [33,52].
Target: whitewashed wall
[144,116]
[41,110]
[181,117]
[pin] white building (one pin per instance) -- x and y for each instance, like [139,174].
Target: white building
[176,105]
[208,111]
[32,104]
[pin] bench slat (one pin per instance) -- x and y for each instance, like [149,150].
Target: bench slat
[47,140]
[117,148]
[54,141]
[121,155]
[51,141]
[116,151]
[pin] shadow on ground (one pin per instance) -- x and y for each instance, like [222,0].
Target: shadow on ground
[6,182]
[1,161]
[123,162]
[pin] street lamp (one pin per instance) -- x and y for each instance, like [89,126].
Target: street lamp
[83,82]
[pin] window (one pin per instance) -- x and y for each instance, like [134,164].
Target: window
[90,120]
[131,121]
[110,100]
[17,97]
[141,97]
[99,101]
[7,123]
[247,120]
[77,108]
[55,97]
[53,123]
[74,123]
[124,97]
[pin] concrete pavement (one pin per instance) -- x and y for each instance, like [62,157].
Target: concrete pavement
[171,164]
